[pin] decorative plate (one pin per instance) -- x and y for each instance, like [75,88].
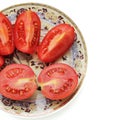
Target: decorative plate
[38,105]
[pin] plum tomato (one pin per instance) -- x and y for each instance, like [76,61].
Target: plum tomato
[6,36]
[58,81]
[17,82]
[27,32]
[56,42]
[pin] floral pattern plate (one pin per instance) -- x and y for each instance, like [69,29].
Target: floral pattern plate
[38,105]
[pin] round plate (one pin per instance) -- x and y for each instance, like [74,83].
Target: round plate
[38,105]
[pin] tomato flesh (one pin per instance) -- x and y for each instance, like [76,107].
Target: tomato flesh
[17,82]
[27,32]
[6,36]
[58,81]
[1,61]
[56,42]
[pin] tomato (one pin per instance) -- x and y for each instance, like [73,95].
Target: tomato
[56,42]
[27,32]
[17,82]
[1,61]
[6,36]
[58,81]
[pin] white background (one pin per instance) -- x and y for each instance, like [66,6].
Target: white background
[99,22]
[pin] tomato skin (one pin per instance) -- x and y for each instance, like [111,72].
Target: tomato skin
[17,82]
[56,42]
[58,81]
[27,32]
[6,36]
[1,60]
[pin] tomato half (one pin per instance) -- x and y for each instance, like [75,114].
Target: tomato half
[27,32]
[58,81]
[56,42]
[17,82]
[6,36]
[1,61]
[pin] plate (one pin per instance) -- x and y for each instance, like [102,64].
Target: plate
[76,56]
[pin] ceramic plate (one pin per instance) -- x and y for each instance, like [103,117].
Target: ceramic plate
[38,105]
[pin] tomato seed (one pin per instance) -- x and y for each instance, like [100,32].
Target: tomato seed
[65,85]
[21,29]
[21,93]
[13,72]
[8,89]
[14,91]
[9,30]
[35,23]
[8,76]
[62,89]
[57,91]
[21,22]
[27,89]
[48,73]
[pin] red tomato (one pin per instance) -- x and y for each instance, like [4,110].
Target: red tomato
[17,82]
[1,61]
[58,81]
[56,42]
[27,32]
[6,36]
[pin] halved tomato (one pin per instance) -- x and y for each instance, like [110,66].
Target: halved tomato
[27,32]
[1,61]
[17,82]
[58,81]
[6,36]
[56,42]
